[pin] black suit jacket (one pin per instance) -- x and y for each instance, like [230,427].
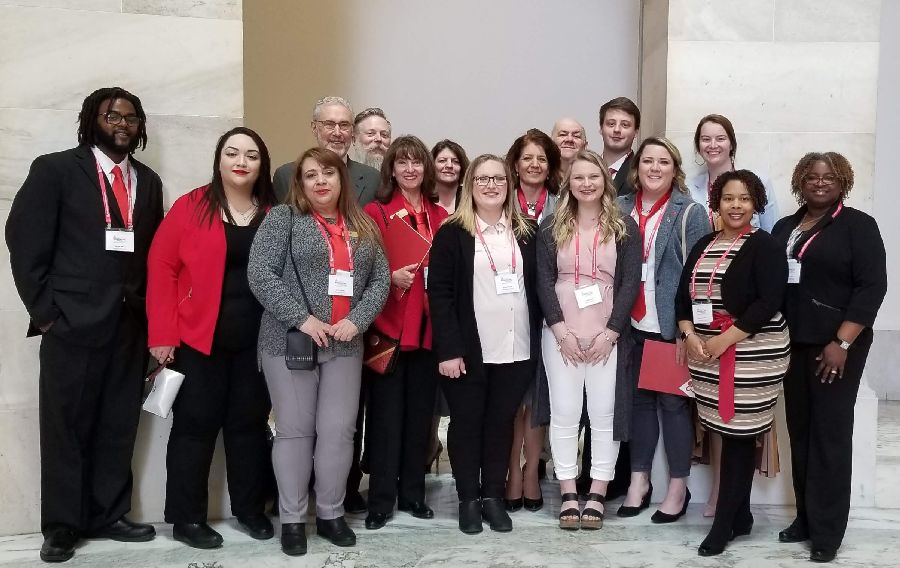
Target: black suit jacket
[621,179]
[57,247]
[366,180]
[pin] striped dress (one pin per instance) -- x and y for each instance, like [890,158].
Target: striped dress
[761,361]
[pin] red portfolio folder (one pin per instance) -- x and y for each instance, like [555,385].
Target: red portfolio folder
[403,245]
[660,372]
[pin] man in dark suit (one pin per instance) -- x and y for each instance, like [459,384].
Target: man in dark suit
[78,234]
[332,125]
[620,120]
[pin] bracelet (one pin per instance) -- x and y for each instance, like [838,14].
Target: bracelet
[559,342]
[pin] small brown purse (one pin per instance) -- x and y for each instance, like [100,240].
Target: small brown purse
[380,351]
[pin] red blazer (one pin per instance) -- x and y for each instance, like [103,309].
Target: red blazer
[185,270]
[403,317]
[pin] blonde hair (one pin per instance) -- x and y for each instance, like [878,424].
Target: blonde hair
[678,182]
[464,216]
[611,224]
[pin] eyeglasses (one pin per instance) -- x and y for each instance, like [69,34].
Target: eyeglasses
[332,125]
[484,181]
[813,179]
[114,118]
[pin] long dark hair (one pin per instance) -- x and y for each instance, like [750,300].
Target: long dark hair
[543,141]
[90,109]
[411,147]
[213,201]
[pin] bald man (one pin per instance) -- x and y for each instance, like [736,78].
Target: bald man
[571,138]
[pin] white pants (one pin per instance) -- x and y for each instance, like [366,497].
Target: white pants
[567,387]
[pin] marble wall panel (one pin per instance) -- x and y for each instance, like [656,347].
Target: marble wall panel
[219,9]
[720,20]
[817,21]
[20,471]
[19,360]
[182,66]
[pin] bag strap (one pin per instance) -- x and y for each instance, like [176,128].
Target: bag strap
[294,262]
[383,216]
[684,231]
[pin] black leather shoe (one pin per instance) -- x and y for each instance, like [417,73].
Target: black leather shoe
[635,511]
[470,516]
[661,518]
[375,521]
[336,530]
[494,512]
[293,538]
[797,532]
[513,505]
[257,526]
[710,550]
[354,503]
[59,544]
[822,555]
[124,530]
[417,509]
[196,535]
[534,504]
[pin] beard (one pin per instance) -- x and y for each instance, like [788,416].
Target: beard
[109,142]
[374,160]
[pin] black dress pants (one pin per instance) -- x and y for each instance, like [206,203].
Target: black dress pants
[820,423]
[398,420]
[479,439]
[223,391]
[90,405]
[356,473]
[738,467]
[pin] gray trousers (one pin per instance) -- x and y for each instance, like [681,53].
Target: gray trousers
[315,418]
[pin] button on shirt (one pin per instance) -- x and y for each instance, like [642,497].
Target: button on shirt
[106,164]
[502,319]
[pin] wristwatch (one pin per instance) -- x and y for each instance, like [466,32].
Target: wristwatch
[685,335]
[845,345]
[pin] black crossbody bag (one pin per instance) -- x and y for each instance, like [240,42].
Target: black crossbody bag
[302,352]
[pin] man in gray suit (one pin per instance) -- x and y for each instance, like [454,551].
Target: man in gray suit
[332,125]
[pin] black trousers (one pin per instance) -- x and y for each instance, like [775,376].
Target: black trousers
[222,391]
[820,424]
[354,477]
[738,467]
[398,420]
[90,405]
[482,411]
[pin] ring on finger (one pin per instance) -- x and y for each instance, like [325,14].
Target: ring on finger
[833,372]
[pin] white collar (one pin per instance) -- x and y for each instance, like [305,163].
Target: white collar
[499,227]
[106,163]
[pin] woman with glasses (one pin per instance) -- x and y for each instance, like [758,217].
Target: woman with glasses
[450,165]
[836,282]
[401,402]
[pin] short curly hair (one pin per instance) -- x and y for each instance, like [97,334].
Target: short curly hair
[750,180]
[840,165]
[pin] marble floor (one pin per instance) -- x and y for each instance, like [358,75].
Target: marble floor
[872,541]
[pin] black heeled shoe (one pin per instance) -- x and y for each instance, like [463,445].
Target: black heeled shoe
[417,509]
[570,519]
[513,505]
[470,516]
[742,528]
[434,462]
[493,511]
[661,518]
[534,504]
[710,549]
[822,555]
[625,511]
[293,539]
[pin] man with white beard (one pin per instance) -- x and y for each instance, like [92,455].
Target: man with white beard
[371,136]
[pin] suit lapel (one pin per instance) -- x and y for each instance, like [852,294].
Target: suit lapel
[89,166]
[664,233]
[357,177]
[142,191]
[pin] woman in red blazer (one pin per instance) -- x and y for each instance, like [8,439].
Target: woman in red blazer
[401,403]
[204,321]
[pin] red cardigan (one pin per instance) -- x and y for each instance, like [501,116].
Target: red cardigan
[402,317]
[185,271]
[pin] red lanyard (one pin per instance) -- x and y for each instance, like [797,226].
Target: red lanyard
[538,206]
[593,255]
[643,219]
[816,234]
[326,234]
[101,179]
[488,251]
[719,262]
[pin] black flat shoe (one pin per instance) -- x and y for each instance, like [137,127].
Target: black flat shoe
[710,550]
[470,516]
[258,526]
[797,532]
[196,535]
[822,555]
[293,538]
[661,518]
[354,503]
[493,511]
[513,505]
[59,544]
[417,509]
[336,530]
[625,511]
[124,530]
[375,521]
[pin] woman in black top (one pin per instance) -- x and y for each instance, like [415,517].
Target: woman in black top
[836,283]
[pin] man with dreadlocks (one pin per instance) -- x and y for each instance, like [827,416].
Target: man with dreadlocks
[78,234]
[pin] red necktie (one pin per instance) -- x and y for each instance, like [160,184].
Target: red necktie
[639,310]
[120,192]
[613,172]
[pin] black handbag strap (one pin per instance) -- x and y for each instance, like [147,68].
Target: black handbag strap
[294,262]
[383,216]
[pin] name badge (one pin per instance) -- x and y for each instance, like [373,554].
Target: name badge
[506,283]
[588,295]
[644,272]
[119,240]
[340,283]
[793,271]
[703,313]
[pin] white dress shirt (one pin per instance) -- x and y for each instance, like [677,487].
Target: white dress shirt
[650,323]
[106,164]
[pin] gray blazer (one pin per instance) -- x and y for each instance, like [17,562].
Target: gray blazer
[669,262]
[366,180]
[274,283]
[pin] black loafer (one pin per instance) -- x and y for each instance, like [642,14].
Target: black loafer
[196,535]
[124,530]
[470,516]
[293,538]
[822,555]
[494,512]
[59,544]
[375,521]
[257,526]
[417,509]
[794,533]
[354,503]
[336,530]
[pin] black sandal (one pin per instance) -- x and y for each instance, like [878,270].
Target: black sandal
[570,519]
[591,518]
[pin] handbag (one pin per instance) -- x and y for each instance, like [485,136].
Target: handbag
[301,352]
[380,351]
[166,383]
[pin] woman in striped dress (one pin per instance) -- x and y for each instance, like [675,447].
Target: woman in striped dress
[738,346]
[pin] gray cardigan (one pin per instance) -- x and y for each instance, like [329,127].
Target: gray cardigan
[274,283]
[626,283]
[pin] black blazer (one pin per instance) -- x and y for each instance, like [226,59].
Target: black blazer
[57,248]
[753,286]
[843,274]
[621,179]
[451,297]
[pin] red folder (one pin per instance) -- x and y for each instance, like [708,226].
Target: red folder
[660,372]
[403,245]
